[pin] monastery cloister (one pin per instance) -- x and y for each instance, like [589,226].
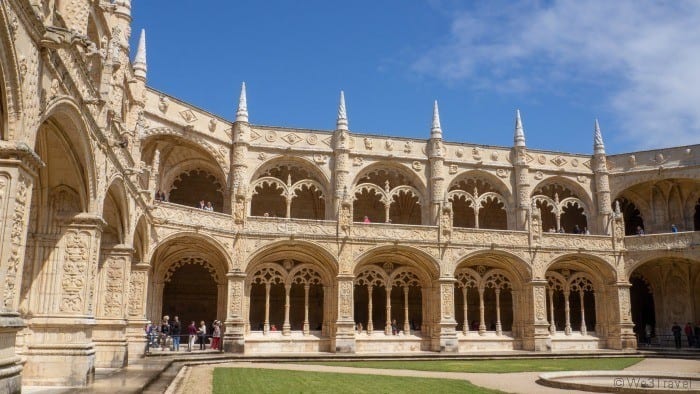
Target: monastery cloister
[315,232]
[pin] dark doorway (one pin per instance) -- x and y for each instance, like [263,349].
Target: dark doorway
[696,218]
[190,294]
[642,300]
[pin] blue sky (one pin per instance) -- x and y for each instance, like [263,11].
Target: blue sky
[562,63]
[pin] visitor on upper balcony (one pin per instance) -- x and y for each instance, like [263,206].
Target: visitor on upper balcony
[266,214]
[209,207]
[674,229]
[201,204]
[158,195]
[561,230]
[577,229]
[585,231]
[640,230]
[366,220]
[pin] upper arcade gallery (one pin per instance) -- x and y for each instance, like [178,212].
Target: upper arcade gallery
[336,238]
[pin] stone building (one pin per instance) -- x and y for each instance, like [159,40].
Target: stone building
[313,232]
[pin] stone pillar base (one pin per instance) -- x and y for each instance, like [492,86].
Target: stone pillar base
[136,339]
[537,339]
[110,344]
[60,352]
[234,338]
[10,364]
[344,339]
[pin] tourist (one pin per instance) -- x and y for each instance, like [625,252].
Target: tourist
[366,220]
[150,330]
[267,215]
[158,195]
[192,335]
[676,329]
[176,331]
[689,334]
[561,230]
[674,229]
[273,328]
[648,333]
[201,204]
[577,229]
[552,230]
[202,332]
[209,207]
[640,230]
[394,327]
[216,335]
[585,231]
[164,332]
[359,328]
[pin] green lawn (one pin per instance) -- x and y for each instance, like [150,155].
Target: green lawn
[248,380]
[496,366]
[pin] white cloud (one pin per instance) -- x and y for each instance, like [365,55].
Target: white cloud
[643,55]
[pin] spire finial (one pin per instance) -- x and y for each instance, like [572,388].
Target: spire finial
[242,113]
[436,130]
[140,65]
[519,133]
[342,122]
[598,146]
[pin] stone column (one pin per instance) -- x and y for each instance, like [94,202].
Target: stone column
[109,334]
[234,340]
[448,324]
[620,333]
[387,324]
[344,340]
[136,310]
[536,335]
[370,321]
[567,312]
[482,323]
[62,306]
[17,171]
[286,327]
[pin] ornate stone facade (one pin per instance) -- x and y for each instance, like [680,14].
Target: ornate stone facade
[346,242]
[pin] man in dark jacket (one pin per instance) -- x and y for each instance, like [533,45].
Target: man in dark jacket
[676,329]
[175,332]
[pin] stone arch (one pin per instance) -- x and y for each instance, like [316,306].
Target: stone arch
[631,213]
[289,187]
[663,202]
[115,212]
[10,85]
[182,164]
[564,204]
[602,270]
[64,117]
[141,239]
[188,278]
[477,190]
[404,254]
[289,287]
[388,192]
[520,271]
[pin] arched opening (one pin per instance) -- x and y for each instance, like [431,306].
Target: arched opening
[287,296]
[288,189]
[632,216]
[477,204]
[192,187]
[696,217]
[643,310]
[571,302]
[389,300]
[190,292]
[483,300]
[387,195]
[568,209]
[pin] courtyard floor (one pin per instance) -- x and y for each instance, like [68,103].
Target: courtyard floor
[164,373]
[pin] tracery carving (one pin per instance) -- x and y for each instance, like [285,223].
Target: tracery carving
[75,269]
[172,268]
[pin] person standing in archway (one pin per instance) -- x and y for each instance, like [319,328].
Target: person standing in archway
[164,332]
[202,332]
[176,332]
[216,334]
[192,335]
[676,329]
[689,333]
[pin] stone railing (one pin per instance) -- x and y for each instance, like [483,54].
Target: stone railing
[669,241]
[576,241]
[292,227]
[488,238]
[394,232]
[189,217]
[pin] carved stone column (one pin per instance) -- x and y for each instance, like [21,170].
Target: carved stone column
[62,306]
[620,334]
[448,324]
[536,335]
[344,340]
[136,310]
[110,331]
[17,171]
[234,341]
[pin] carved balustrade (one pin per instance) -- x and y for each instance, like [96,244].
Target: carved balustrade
[190,217]
[577,242]
[660,242]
